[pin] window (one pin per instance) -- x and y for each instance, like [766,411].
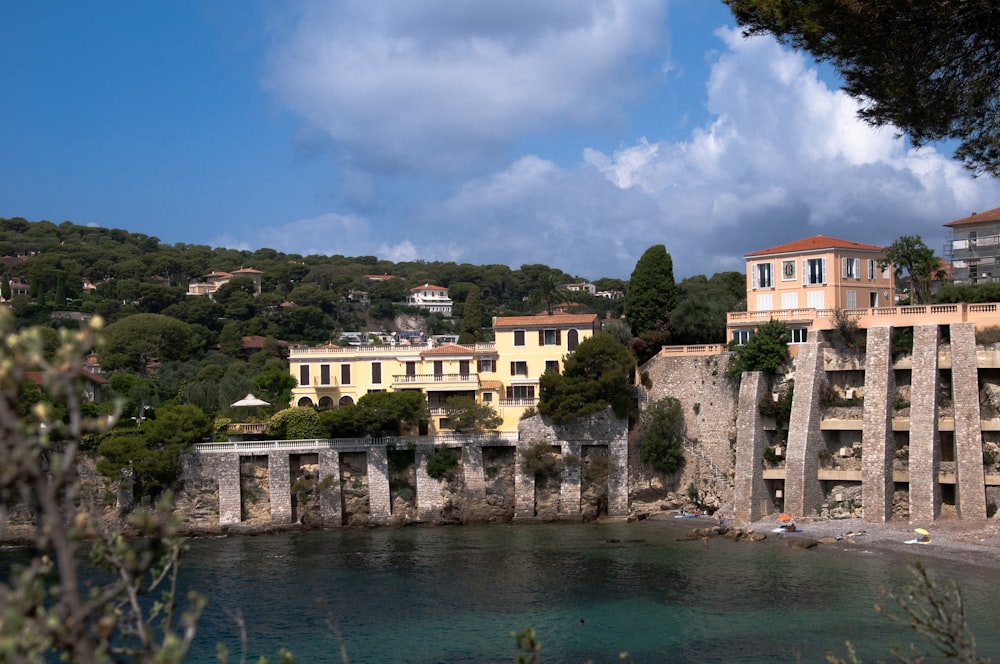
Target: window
[552,365]
[787,270]
[765,302]
[487,397]
[521,392]
[852,268]
[376,373]
[973,239]
[871,269]
[324,374]
[572,339]
[518,337]
[345,374]
[814,271]
[852,299]
[797,335]
[789,300]
[438,368]
[411,368]
[304,374]
[762,275]
[485,366]
[305,402]
[463,367]
[519,368]
[549,338]
[742,336]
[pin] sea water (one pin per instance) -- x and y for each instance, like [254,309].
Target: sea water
[591,592]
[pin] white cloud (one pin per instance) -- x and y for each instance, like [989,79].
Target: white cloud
[436,86]
[781,157]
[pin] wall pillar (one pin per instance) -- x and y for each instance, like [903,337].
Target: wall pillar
[970,490]
[752,499]
[429,500]
[379,506]
[330,510]
[230,503]
[803,490]
[878,445]
[569,486]
[925,444]
[524,491]
[280,486]
[618,479]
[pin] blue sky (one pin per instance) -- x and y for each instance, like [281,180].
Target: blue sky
[574,133]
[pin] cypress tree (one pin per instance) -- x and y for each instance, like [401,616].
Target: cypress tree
[651,293]
[472,318]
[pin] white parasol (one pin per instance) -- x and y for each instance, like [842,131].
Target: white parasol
[249,400]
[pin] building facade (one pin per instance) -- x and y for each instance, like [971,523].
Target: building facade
[793,281]
[431,298]
[504,373]
[974,247]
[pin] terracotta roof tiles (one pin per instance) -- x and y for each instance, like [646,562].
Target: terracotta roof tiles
[544,320]
[814,243]
[977,218]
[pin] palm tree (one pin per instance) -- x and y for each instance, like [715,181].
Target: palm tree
[550,291]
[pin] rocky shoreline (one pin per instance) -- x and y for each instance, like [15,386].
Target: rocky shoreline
[951,540]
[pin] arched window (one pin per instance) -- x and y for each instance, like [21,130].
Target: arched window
[325,402]
[572,339]
[305,402]
[346,401]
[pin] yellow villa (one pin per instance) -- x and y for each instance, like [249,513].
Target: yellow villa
[503,373]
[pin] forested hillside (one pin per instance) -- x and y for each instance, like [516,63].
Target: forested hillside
[54,273]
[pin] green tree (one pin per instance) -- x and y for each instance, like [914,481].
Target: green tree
[662,435]
[274,385]
[651,293]
[465,415]
[932,69]
[472,318]
[548,291]
[595,376]
[296,423]
[393,413]
[910,254]
[767,351]
[133,343]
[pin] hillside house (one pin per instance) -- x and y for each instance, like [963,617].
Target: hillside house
[793,281]
[430,298]
[213,281]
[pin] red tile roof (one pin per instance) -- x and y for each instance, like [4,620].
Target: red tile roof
[491,384]
[448,349]
[544,320]
[977,218]
[814,243]
[428,287]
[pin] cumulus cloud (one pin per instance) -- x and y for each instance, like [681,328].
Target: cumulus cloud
[781,156]
[435,86]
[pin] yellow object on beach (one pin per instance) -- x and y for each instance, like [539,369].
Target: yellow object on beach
[921,531]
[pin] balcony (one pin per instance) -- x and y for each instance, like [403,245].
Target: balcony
[436,381]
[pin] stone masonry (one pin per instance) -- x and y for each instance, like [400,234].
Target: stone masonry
[878,445]
[970,480]
[925,442]
[378,485]
[752,499]
[803,490]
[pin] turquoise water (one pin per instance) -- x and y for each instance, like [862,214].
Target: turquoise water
[454,594]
